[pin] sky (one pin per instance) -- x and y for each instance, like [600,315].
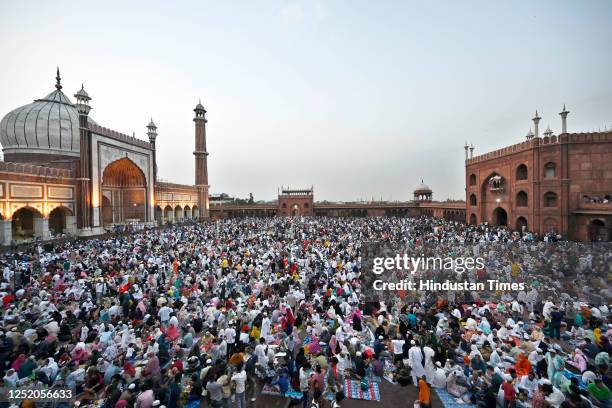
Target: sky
[359,99]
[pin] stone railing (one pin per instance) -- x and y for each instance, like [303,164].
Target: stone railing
[33,170]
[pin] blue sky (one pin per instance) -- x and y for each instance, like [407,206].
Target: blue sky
[360,99]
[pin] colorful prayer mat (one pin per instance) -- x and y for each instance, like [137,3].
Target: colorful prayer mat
[352,389]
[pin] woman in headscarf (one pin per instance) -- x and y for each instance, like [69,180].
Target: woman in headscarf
[333,343]
[10,378]
[494,358]
[152,369]
[51,369]
[484,325]
[79,353]
[579,361]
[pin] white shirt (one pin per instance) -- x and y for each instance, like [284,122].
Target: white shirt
[239,379]
[398,346]
[164,313]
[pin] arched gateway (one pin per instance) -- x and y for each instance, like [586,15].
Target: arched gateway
[124,193]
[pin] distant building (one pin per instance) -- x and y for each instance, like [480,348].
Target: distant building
[551,183]
[295,202]
[300,202]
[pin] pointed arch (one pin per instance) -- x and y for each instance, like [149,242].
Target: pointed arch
[124,192]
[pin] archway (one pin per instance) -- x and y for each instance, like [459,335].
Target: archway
[23,224]
[295,210]
[107,210]
[168,213]
[195,211]
[598,231]
[125,187]
[500,217]
[492,192]
[187,212]
[521,224]
[159,214]
[178,213]
[57,220]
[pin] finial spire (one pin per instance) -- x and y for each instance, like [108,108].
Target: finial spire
[58,80]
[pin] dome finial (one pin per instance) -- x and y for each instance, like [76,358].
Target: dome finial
[58,80]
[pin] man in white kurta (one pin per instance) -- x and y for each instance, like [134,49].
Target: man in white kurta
[415,361]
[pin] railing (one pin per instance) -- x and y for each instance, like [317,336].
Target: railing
[34,170]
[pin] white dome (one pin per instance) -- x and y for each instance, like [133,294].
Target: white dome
[49,125]
[423,188]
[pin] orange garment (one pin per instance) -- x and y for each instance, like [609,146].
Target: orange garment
[424,392]
[523,366]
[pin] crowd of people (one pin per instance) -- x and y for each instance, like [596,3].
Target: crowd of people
[223,313]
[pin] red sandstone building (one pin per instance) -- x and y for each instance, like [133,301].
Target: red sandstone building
[300,202]
[555,183]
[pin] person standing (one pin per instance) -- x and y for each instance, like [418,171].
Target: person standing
[424,393]
[239,381]
[509,393]
[415,360]
[305,372]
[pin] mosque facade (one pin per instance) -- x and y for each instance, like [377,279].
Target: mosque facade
[547,184]
[64,173]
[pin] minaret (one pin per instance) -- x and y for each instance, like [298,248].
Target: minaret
[563,115]
[84,193]
[152,133]
[471,151]
[201,158]
[466,147]
[536,124]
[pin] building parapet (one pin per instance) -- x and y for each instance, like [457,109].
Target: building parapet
[584,137]
[164,185]
[34,170]
[113,134]
[296,192]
